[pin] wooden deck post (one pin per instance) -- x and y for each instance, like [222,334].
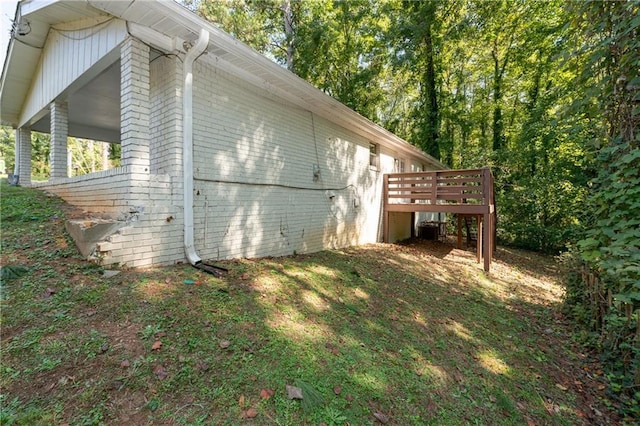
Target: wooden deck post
[487,232]
[385,210]
[434,188]
[480,241]
[486,241]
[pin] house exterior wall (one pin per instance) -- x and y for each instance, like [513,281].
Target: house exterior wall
[134,104]
[154,231]
[253,164]
[254,159]
[146,203]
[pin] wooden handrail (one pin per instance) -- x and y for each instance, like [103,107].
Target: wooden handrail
[455,187]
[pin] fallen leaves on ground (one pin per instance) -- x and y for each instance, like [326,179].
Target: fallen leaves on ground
[160,372]
[49,292]
[266,393]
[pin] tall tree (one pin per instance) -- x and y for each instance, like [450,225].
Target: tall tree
[266,25]
[339,48]
[415,47]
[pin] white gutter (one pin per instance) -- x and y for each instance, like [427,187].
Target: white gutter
[187,144]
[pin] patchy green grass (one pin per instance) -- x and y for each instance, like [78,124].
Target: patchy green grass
[407,334]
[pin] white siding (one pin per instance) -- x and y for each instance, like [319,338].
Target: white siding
[66,56]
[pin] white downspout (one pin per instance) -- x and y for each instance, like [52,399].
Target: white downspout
[187,144]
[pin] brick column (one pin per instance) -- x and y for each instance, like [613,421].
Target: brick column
[23,155]
[166,116]
[134,104]
[59,133]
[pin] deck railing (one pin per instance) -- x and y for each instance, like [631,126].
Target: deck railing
[440,190]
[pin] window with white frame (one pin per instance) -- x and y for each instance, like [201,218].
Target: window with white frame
[374,156]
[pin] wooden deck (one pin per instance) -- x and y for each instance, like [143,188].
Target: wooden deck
[469,193]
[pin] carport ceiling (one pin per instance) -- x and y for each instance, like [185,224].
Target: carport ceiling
[94,109]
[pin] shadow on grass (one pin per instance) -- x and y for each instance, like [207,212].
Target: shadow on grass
[421,336]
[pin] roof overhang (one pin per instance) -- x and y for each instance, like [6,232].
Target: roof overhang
[169,26]
[27,39]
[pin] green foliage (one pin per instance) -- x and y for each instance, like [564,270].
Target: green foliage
[40,148]
[10,272]
[312,399]
[254,22]
[612,244]
[610,248]
[7,149]
[339,47]
[88,156]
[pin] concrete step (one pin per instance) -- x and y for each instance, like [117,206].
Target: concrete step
[88,232]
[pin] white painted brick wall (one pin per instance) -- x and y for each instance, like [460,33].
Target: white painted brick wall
[245,135]
[134,103]
[23,155]
[149,201]
[166,116]
[59,132]
[250,150]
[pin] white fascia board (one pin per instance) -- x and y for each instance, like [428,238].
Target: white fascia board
[28,7]
[154,38]
[12,118]
[302,93]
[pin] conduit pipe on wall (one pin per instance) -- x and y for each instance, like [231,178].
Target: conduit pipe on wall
[187,144]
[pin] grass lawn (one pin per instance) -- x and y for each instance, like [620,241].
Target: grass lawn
[411,334]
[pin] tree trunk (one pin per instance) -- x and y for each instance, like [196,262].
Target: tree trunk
[432,113]
[287,15]
[105,156]
[497,110]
